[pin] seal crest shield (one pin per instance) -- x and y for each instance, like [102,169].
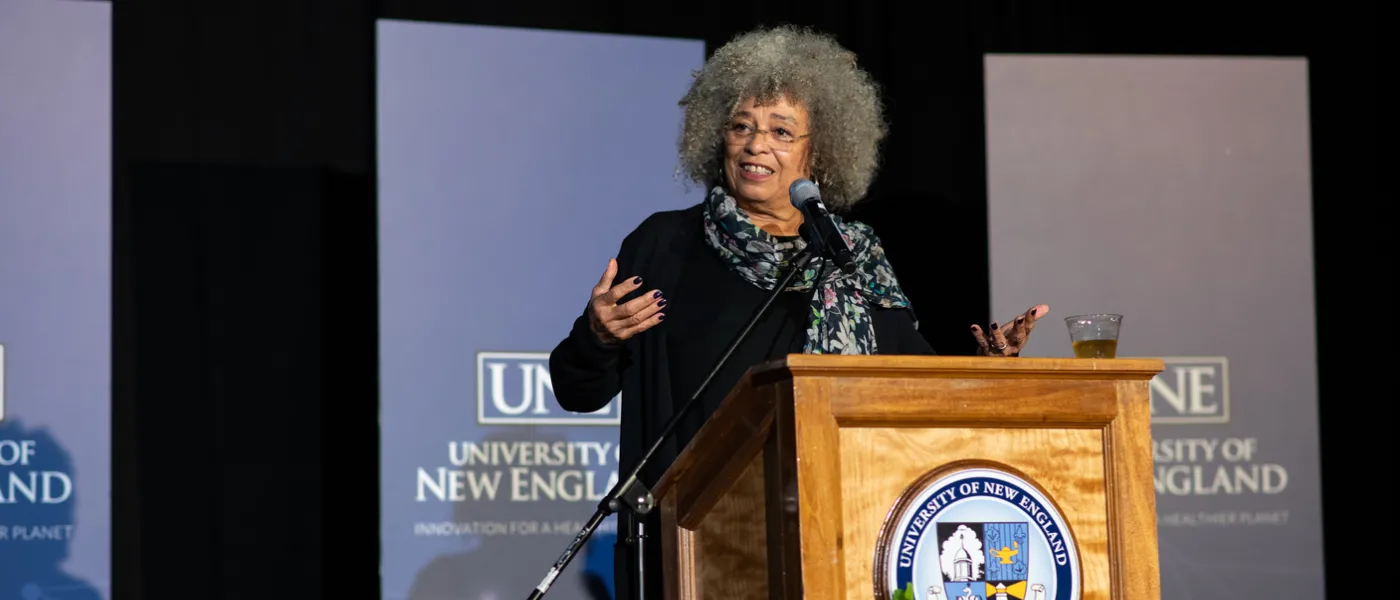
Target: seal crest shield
[976,531]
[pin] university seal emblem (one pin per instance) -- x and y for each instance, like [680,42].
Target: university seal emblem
[978,531]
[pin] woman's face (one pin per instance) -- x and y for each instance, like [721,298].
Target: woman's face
[765,150]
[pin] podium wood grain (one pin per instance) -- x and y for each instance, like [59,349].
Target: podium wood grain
[784,492]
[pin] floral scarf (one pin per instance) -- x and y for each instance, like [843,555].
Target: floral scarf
[840,320]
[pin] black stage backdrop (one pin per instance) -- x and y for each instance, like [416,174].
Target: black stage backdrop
[245,434]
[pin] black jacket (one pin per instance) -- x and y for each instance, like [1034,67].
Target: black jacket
[586,374]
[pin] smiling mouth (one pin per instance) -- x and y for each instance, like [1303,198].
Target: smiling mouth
[756,169]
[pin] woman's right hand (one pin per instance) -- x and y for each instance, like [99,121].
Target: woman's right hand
[614,323]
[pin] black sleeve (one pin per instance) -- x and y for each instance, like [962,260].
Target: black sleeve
[895,333]
[586,373]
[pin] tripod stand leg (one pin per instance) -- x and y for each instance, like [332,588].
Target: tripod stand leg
[632,534]
[641,556]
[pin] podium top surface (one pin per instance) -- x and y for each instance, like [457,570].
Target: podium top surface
[830,365]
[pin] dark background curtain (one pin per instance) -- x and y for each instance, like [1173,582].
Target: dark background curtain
[246,448]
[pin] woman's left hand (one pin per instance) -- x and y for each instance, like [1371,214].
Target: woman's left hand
[1009,338]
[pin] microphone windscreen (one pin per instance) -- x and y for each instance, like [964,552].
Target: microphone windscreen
[803,191]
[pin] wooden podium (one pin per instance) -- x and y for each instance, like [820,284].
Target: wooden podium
[820,477]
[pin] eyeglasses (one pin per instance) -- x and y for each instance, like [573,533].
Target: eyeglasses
[779,139]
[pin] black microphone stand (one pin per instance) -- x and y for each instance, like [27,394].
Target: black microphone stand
[631,493]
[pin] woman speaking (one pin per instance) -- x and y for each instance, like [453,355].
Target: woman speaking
[767,109]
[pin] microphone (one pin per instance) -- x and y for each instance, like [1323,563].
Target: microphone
[823,233]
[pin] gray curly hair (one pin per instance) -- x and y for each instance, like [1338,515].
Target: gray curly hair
[841,99]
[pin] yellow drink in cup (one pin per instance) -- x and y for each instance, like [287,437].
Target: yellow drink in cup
[1094,336]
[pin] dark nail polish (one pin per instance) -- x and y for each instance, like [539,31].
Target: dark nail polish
[637,281]
[656,294]
[973,328]
[1019,320]
[1033,311]
[994,326]
[661,317]
[661,304]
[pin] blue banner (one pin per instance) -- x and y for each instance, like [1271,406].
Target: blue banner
[512,162]
[1176,192]
[55,299]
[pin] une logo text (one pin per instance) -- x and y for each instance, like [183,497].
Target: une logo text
[1192,390]
[514,388]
